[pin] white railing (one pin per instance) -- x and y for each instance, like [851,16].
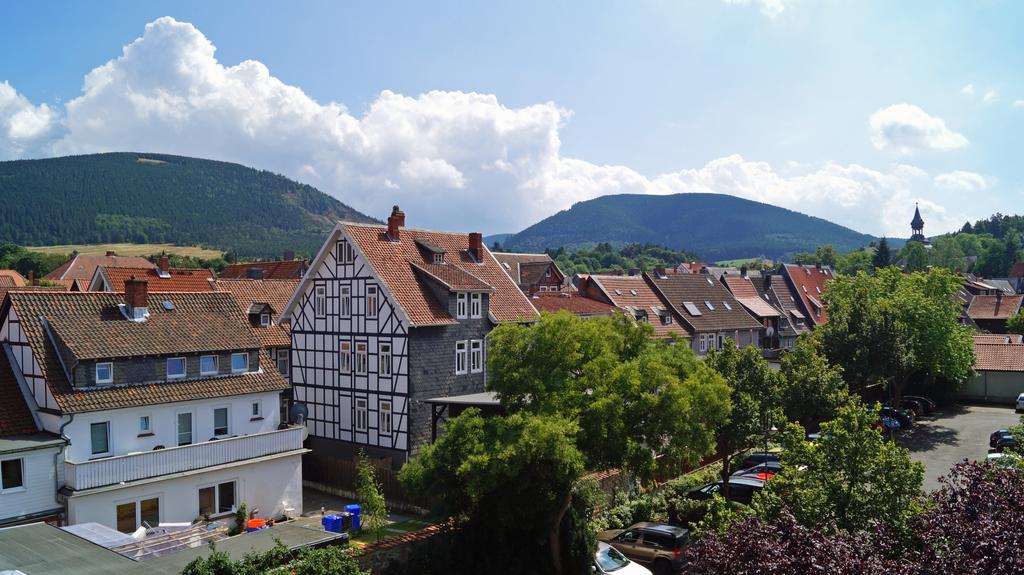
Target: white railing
[135,466]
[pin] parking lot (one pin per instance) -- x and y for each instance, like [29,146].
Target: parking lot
[952,435]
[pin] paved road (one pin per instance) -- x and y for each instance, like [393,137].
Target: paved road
[959,433]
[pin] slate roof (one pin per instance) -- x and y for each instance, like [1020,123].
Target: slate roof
[15,418]
[745,293]
[620,291]
[275,293]
[994,307]
[394,264]
[82,267]
[180,280]
[90,323]
[553,302]
[278,270]
[697,289]
[778,293]
[810,283]
[527,269]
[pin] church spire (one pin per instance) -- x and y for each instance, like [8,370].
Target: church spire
[917,224]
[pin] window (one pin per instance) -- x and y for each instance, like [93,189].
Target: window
[476,356]
[361,415]
[726,305]
[460,357]
[384,415]
[348,254]
[710,307]
[692,309]
[346,301]
[282,361]
[239,362]
[320,302]
[208,365]
[371,301]
[666,319]
[145,425]
[175,368]
[133,514]
[460,306]
[703,343]
[547,273]
[216,499]
[817,312]
[220,421]
[256,410]
[543,288]
[720,342]
[100,438]
[185,428]
[438,258]
[345,357]
[12,474]
[384,359]
[361,358]
[475,305]
[104,372]
[264,320]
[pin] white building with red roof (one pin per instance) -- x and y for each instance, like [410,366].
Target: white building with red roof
[386,318]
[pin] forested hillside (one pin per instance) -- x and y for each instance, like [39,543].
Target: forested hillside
[154,198]
[714,226]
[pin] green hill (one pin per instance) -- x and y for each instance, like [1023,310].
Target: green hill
[155,198]
[714,226]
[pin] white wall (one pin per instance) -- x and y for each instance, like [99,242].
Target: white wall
[270,486]
[124,423]
[39,493]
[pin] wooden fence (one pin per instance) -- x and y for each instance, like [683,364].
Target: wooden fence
[341,474]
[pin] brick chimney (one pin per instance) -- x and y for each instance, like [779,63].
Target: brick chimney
[165,263]
[136,298]
[111,253]
[396,221]
[743,271]
[31,277]
[476,245]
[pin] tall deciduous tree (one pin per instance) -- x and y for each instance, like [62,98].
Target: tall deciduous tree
[812,389]
[374,508]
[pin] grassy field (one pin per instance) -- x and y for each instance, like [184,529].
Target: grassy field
[735,263]
[129,250]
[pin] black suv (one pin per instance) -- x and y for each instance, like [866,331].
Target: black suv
[741,489]
[654,545]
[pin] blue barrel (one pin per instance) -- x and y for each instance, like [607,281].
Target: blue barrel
[354,509]
[331,523]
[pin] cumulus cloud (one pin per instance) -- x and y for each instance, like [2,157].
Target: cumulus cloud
[968,89]
[906,128]
[989,97]
[1018,103]
[962,181]
[452,160]
[770,8]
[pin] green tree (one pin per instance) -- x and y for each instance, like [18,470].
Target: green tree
[374,508]
[855,261]
[813,390]
[1016,323]
[915,257]
[883,257]
[755,399]
[946,252]
[851,478]
[826,255]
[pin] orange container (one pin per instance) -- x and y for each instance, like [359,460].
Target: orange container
[255,524]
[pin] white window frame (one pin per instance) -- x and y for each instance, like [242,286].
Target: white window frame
[345,301]
[241,370]
[703,340]
[348,254]
[362,357]
[384,359]
[460,305]
[110,372]
[184,368]
[547,272]
[461,357]
[476,305]
[361,418]
[345,356]
[216,498]
[192,427]
[216,365]
[227,423]
[16,488]
[476,356]
[264,320]
[438,258]
[372,300]
[148,429]
[384,420]
[255,410]
[543,287]
[283,358]
[110,449]
[320,302]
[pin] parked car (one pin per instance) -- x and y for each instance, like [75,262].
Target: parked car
[1020,402]
[655,545]
[610,560]
[904,417]
[1003,459]
[758,458]
[994,438]
[1006,442]
[929,404]
[772,467]
[741,489]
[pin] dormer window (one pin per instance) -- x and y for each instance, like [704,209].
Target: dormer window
[264,320]
[547,273]
[666,319]
[104,372]
[175,368]
[239,362]
[208,365]
[438,258]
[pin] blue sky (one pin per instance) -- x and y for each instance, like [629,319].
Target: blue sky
[846,110]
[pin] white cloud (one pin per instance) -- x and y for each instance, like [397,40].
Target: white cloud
[452,160]
[961,181]
[905,128]
[770,8]
[968,89]
[989,97]
[1018,103]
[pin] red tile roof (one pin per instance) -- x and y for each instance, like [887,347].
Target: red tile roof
[994,306]
[745,292]
[275,293]
[279,270]
[998,338]
[180,280]
[393,263]
[990,356]
[11,278]
[451,277]
[82,267]
[553,302]
[810,283]
[15,418]
[631,293]
[1017,270]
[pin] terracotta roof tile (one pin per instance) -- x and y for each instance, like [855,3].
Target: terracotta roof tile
[810,282]
[451,277]
[11,278]
[15,418]
[553,302]
[276,293]
[743,289]
[279,270]
[998,338]
[180,280]
[994,307]
[998,356]
[391,261]
[82,267]
[698,290]
[620,291]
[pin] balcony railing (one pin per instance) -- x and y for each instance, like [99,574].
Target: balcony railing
[147,464]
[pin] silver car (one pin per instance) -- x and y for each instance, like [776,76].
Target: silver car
[609,560]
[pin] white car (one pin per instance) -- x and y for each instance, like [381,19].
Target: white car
[609,560]
[1003,459]
[1020,402]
